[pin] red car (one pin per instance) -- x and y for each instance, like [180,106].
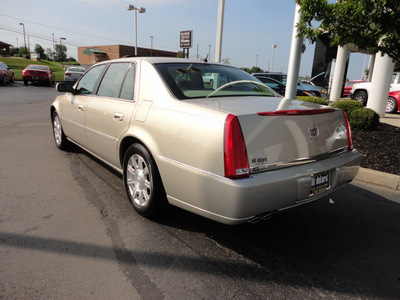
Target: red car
[393,104]
[38,73]
[348,86]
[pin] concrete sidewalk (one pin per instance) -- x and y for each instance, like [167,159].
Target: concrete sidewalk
[386,180]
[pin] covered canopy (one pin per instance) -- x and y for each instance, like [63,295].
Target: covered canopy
[94,51]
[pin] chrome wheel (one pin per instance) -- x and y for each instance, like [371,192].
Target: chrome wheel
[142,181]
[57,130]
[391,105]
[139,180]
[58,133]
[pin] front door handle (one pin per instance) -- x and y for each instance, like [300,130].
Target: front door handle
[118,116]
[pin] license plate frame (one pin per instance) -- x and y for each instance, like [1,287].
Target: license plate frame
[320,182]
[35,77]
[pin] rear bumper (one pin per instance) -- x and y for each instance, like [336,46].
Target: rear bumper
[237,201]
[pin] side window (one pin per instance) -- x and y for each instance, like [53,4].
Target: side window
[112,81]
[86,84]
[128,86]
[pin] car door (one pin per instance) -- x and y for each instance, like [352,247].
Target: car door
[74,105]
[109,112]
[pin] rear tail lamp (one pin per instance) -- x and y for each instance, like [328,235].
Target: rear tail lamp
[348,129]
[235,153]
[67,74]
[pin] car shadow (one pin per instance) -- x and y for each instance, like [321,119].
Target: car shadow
[348,245]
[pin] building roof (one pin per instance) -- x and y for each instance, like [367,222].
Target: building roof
[94,51]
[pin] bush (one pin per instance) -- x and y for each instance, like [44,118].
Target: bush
[363,119]
[348,106]
[312,100]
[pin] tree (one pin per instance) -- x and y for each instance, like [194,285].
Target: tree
[39,50]
[49,53]
[61,52]
[369,24]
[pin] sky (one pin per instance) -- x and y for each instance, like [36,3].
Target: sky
[250,29]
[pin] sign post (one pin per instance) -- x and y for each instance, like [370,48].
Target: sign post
[186,41]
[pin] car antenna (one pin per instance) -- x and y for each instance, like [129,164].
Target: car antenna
[206,59]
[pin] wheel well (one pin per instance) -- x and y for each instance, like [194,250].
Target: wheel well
[361,90]
[52,110]
[126,142]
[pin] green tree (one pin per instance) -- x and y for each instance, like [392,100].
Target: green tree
[49,54]
[23,51]
[39,50]
[369,24]
[61,53]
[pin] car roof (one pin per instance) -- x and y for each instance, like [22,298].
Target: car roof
[156,60]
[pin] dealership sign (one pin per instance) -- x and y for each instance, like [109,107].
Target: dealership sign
[186,39]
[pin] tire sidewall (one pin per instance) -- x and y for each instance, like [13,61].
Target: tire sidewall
[157,195]
[394,110]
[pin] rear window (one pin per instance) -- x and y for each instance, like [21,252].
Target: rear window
[191,80]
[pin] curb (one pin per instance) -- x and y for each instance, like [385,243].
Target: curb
[386,180]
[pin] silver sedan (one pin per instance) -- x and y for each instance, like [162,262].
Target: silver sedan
[234,151]
[73,74]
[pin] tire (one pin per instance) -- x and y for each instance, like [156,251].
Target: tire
[312,94]
[4,80]
[26,82]
[12,79]
[361,96]
[58,133]
[143,182]
[391,106]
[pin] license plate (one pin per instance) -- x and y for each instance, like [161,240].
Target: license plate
[34,77]
[319,183]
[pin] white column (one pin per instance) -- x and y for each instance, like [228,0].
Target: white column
[371,67]
[220,28]
[294,59]
[340,68]
[380,84]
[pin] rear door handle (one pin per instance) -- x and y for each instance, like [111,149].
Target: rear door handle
[118,116]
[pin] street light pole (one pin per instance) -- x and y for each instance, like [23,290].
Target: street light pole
[152,37]
[272,58]
[61,38]
[23,26]
[136,9]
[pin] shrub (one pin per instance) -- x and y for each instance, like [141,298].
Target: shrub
[363,119]
[312,99]
[348,106]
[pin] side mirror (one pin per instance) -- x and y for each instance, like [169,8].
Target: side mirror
[64,87]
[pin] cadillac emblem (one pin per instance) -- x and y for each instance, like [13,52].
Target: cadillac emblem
[313,132]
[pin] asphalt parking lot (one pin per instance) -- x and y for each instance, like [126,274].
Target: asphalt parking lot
[67,230]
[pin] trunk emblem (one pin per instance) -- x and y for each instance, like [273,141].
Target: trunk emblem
[313,132]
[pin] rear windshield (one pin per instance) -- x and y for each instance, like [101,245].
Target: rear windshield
[33,67]
[191,80]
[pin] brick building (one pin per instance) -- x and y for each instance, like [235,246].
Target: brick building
[91,55]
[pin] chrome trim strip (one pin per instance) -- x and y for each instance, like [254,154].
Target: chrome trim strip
[109,137]
[296,162]
[200,170]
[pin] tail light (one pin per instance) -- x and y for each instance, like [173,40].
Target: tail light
[235,153]
[348,129]
[67,74]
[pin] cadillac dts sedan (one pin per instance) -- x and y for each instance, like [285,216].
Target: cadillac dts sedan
[232,151]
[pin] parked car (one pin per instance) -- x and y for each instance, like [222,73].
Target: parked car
[311,89]
[277,86]
[393,104]
[74,73]
[233,154]
[6,74]
[38,73]
[349,85]
[360,91]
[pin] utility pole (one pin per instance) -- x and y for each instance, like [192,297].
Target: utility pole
[23,26]
[152,37]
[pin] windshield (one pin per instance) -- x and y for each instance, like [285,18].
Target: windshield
[198,80]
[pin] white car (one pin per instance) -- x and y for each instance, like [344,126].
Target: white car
[360,91]
[233,154]
[74,73]
[311,89]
